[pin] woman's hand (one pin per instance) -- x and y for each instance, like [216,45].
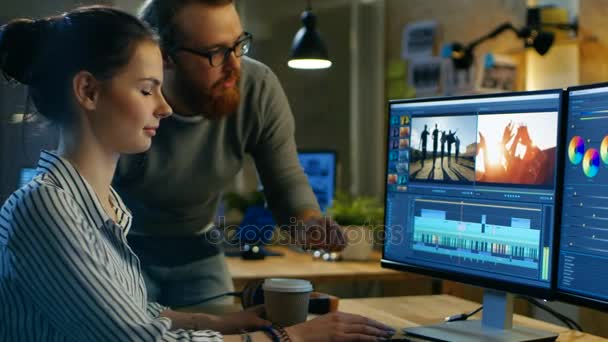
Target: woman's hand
[234,323]
[340,327]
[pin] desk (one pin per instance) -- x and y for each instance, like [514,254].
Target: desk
[411,311]
[302,265]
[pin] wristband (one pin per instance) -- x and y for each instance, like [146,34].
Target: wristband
[268,329]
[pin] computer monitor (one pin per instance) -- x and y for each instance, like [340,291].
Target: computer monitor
[471,197]
[26,175]
[320,168]
[258,224]
[583,253]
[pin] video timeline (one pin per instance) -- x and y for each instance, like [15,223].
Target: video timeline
[475,234]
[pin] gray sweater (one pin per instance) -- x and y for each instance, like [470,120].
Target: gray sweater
[174,188]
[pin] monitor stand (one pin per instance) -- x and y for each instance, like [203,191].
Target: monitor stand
[496,325]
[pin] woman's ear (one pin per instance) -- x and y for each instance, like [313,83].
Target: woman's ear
[86,89]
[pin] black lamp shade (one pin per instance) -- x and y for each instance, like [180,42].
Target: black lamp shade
[308,51]
[540,40]
[543,42]
[462,56]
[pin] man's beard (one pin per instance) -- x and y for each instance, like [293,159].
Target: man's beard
[222,101]
[215,104]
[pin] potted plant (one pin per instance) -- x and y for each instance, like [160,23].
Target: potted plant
[361,218]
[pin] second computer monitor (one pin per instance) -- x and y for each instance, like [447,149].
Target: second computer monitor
[471,188]
[583,256]
[320,168]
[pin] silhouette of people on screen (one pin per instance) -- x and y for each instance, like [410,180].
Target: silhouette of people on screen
[435,142]
[443,140]
[450,138]
[423,141]
[457,144]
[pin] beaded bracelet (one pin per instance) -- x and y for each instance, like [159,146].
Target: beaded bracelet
[283,335]
[276,333]
[273,335]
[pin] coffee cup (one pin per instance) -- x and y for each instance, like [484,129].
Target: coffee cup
[286,300]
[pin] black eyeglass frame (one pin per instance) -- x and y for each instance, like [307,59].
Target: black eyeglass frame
[244,41]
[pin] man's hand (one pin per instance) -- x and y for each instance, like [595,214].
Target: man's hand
[319,233]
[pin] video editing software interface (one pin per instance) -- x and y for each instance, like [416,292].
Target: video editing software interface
[583,251]
[320,168]
[471,185]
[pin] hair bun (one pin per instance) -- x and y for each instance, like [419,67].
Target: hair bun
[20,41]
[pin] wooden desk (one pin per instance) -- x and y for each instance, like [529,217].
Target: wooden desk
[302,265]
[411,311]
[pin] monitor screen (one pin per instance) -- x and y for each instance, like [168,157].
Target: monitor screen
[26,175]
[583,254]
[320,168]
[471,187]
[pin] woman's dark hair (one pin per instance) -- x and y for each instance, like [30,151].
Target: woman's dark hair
[45,54]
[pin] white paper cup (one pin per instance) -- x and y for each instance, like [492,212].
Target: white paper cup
[286,300]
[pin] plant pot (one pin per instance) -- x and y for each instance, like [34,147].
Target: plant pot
[359,243]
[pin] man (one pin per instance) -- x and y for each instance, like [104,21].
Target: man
[443,140]
[225,106]
[449,139]
[457,144]
[423,139]
[435,142]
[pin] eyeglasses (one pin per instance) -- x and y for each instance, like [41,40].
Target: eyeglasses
[220,55]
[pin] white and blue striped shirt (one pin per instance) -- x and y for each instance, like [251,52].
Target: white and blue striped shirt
[66,272]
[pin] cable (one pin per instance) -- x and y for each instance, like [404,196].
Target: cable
[563,318]
[462,316]
[569,322]
[566,320]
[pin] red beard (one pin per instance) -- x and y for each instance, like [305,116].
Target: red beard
[222,102]
[214,104]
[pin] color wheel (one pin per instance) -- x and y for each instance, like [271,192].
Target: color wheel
[591,162]
[604,150]
[576,149]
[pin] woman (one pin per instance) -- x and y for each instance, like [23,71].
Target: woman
[66,272]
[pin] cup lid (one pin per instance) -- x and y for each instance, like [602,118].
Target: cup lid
[287,285]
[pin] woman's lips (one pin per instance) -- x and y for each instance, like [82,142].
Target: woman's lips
[151,131]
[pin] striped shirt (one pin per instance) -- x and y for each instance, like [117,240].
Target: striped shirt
[66,271]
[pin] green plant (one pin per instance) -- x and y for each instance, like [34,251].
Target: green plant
[241,202]
[356,211]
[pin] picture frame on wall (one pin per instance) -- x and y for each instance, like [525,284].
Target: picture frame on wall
[497,73]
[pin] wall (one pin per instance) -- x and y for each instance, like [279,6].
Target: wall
[37,8]
[459,21]
[593,52]
[319,99]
